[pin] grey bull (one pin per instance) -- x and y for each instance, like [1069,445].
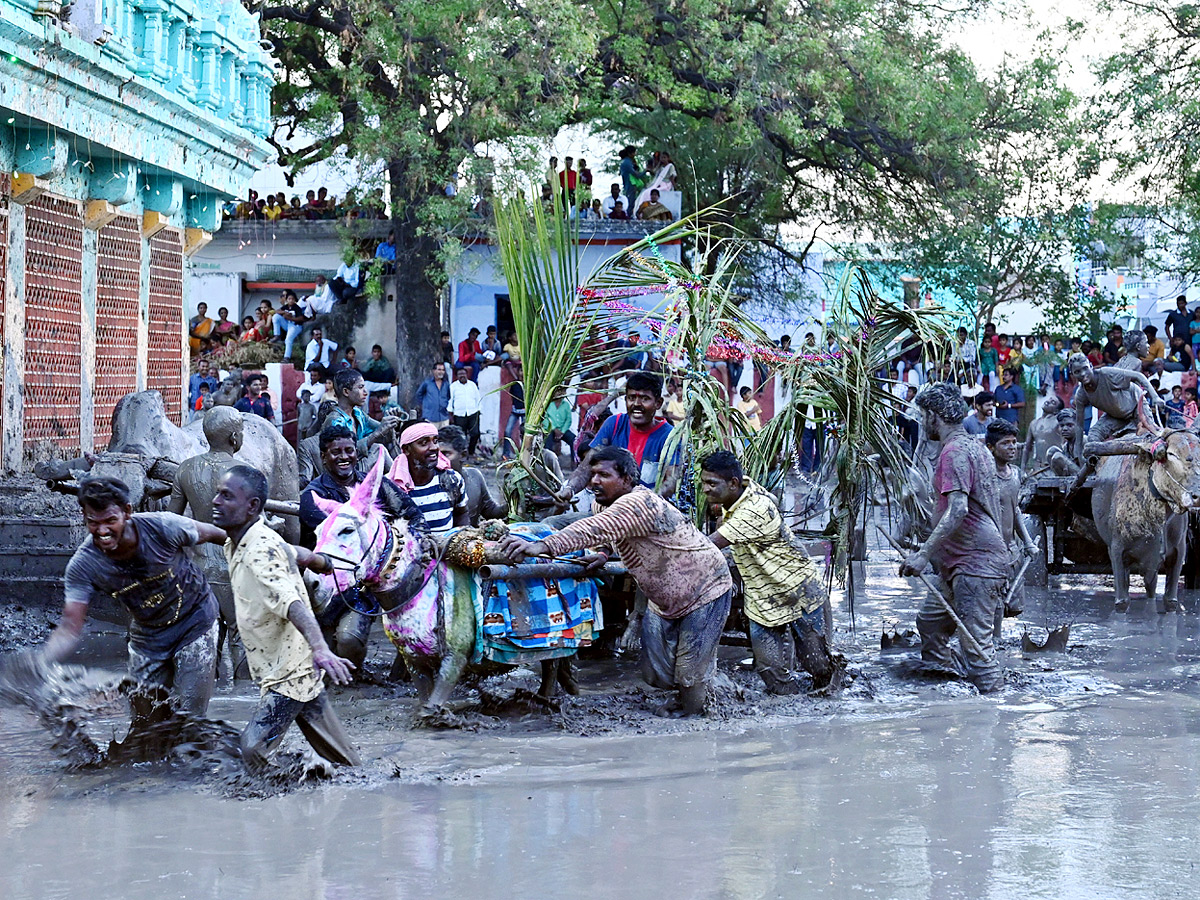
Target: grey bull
[1140,502]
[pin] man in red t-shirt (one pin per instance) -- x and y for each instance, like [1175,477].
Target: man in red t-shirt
[469,353]
[639,432]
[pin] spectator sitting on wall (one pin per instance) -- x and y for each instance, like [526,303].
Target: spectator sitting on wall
[376,369]
[1180,358]
[387,250]
[295,210]
[349,359]
[257,400]
[319,350]
[289,321]
[447,349]
[618,211]
[321,301]
[247,206]
[345,283]
[249,330]
[653,210]
[491,348]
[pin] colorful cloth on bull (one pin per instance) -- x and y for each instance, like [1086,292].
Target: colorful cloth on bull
[540,619]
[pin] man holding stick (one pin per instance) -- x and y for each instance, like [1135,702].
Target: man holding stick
[966,548]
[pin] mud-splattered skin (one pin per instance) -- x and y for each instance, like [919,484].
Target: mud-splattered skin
[1140,507]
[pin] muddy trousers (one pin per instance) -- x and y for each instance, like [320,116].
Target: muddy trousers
[975,600]
[803,640]
[318,723]
[682,653]
[188,673]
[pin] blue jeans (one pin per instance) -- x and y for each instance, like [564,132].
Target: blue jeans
[810,450]
[292,329]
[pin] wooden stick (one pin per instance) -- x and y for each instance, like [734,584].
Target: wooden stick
[964,635]
[1017,581]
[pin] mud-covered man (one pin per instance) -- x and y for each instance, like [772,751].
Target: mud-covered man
[141,561]
[1001,440]
[684,576]
[287,653]
[784,594]
[1111,391]
[1043,433]
[965,548]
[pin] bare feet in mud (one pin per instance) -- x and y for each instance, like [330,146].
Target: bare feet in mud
[687,703]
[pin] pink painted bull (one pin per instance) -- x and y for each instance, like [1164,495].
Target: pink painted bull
[378,543]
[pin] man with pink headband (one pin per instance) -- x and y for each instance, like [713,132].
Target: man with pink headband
[423,472]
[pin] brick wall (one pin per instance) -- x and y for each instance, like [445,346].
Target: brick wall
[118,305]
[53,285]
[164,367]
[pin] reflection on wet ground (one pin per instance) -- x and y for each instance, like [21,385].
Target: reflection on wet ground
[1079,780]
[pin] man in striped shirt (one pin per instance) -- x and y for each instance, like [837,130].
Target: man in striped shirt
[785,597]
[685,578]
[424,473]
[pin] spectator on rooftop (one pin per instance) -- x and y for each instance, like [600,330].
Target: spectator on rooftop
[295,211]
[247,207]
[447,349]
[311,210]
[653,210]
[613,198]
[632,178]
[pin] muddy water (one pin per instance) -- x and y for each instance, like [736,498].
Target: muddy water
[1080,780]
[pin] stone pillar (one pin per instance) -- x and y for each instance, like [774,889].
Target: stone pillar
[13,443]
[187,85]
[206,91]
[87,340]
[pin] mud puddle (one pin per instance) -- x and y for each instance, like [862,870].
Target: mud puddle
[1078,780]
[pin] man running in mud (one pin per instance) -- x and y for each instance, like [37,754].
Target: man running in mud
[965,547]
[784,594]
[1111,391]
[684,576]
[287,653]
[1001,440]
[141,561]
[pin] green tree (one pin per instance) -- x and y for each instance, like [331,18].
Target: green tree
[1010,234]
[412,87]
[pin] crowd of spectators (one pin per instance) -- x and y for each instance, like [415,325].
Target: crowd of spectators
[317,204]
[638,195]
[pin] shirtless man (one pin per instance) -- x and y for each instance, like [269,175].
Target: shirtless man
[1002,441]
[1043,433]
[1109,390]
[195,485]
[1059,458]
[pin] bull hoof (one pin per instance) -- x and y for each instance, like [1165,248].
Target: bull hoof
[1170,606]
[1121,606]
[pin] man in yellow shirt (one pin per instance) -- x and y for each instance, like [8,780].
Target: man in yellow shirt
[784,594]
[284,646]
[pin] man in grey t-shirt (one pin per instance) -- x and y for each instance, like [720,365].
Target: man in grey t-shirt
[141,561]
